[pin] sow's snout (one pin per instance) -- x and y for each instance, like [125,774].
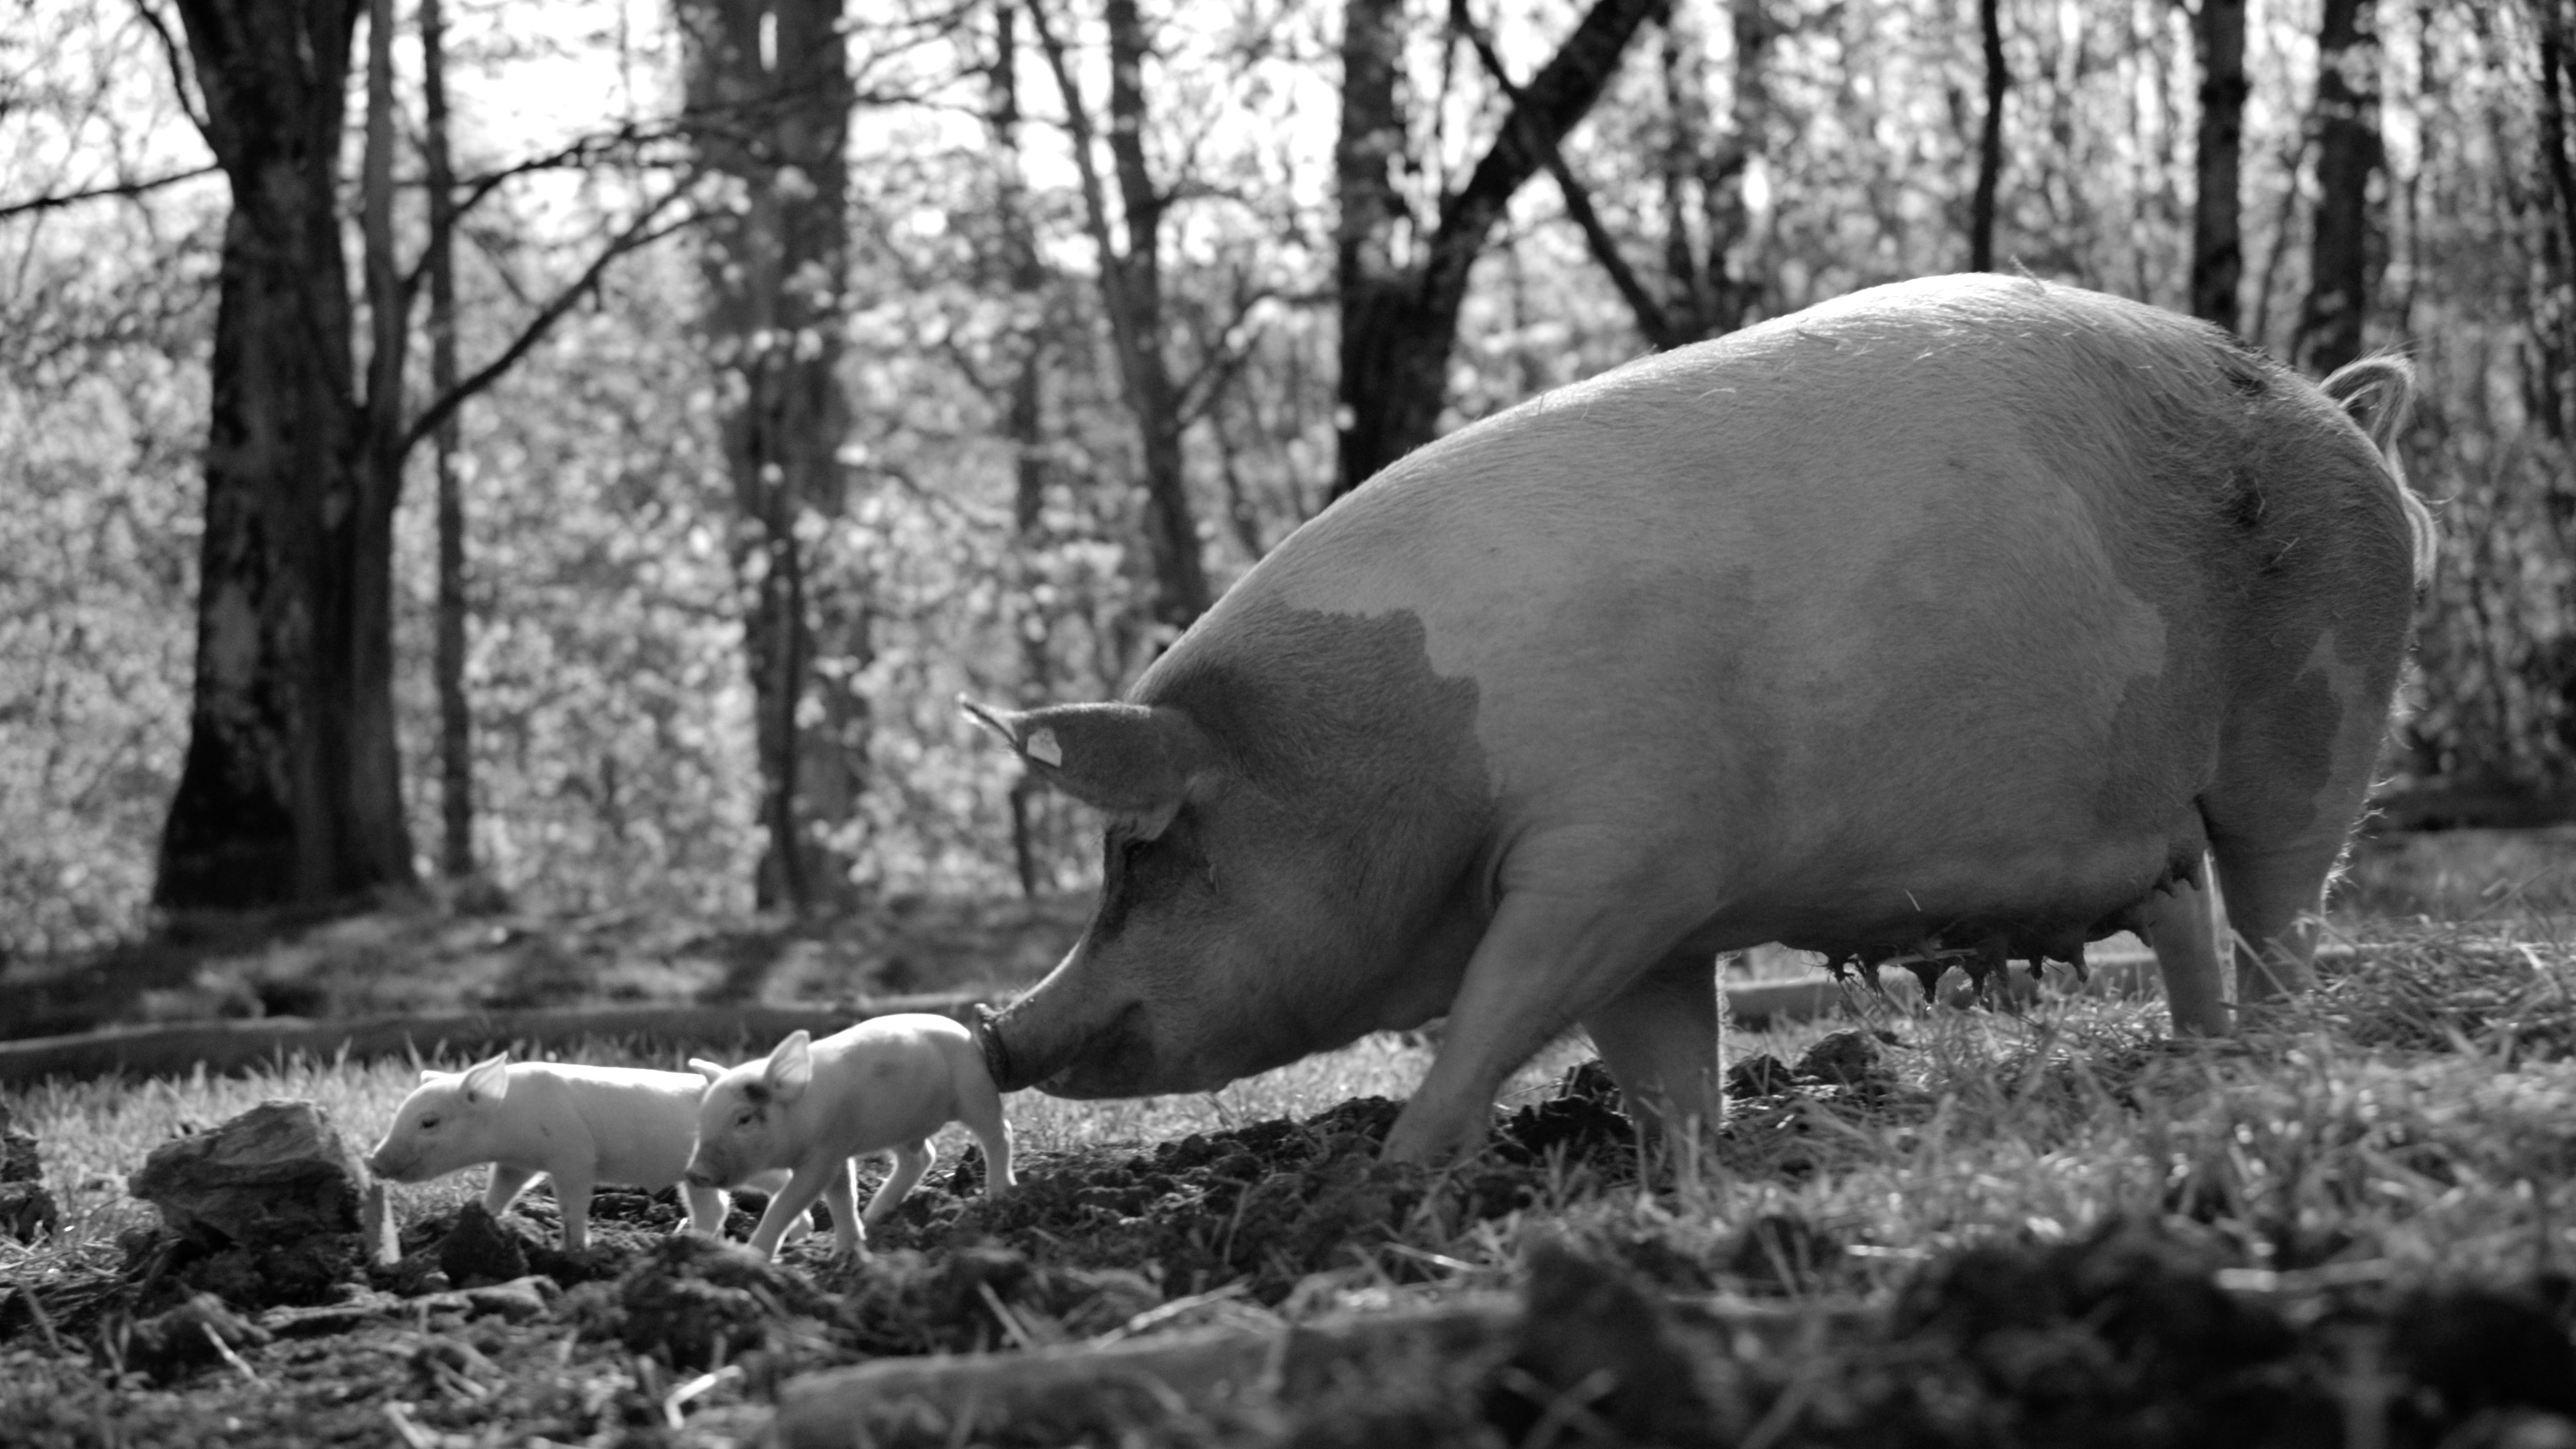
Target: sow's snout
[1040,1042]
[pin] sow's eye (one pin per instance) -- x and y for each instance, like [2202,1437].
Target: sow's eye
[429,1123]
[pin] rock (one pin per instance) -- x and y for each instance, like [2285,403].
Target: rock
[480,1250]
[277,1173]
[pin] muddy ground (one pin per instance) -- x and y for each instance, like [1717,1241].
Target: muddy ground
[483,1334]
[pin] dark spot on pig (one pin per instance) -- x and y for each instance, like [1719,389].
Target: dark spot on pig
[2244,505]
[2247,371]
[1334,713]
[2278,756]
[2161,723]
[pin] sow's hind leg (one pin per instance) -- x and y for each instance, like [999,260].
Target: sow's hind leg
[1660,1038]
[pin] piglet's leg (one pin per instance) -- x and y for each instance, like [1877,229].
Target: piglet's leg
[572,1193]
[506,1185]
[849,1235]
[813,1180]
[979,1106]
[910,1161]
[707,1208]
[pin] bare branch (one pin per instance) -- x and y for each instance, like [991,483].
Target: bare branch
[1651,318]
[1077,119]
[640,232]
[177,55]
[126,188]
[1199,392]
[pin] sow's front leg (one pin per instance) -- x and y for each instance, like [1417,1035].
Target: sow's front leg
[1549,959]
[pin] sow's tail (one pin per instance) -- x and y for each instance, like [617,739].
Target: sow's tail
[2375,393]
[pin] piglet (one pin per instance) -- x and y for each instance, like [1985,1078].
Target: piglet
[579,1125]
[810,1106]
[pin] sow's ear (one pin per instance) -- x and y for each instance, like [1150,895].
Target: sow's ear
[1134,762]
[2373,393]
[707,1069]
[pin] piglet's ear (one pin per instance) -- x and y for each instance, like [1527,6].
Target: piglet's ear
[707,1069]
[488,1080]
[1136,763]
[791,1066]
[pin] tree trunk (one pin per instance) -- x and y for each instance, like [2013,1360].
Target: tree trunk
[2217,245]
[769,97]
[2330,324]
[455,720]
[291,789]
[2554,315]
[1131,291]
[1400,306]
[1990,147]
[1025,274]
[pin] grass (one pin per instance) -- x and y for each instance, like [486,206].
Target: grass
[2407,1123]
[2411,1117]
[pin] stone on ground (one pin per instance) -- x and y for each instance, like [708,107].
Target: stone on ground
[279,1172]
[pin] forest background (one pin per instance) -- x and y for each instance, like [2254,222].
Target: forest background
[586,448]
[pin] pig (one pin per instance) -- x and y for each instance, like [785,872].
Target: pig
[579,1125]
[1968,613]
[810,1106]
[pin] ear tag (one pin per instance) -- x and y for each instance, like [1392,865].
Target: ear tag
[1042,747]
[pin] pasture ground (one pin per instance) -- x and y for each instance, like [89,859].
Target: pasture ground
[2353,1225]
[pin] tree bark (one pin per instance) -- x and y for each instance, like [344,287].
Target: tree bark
[455,718]
[2554,316]
[291,789]
[769,96]
[1400,307]
[1990,146]
[1131,291]
[1024,272]
[2217,245]
[2330,323]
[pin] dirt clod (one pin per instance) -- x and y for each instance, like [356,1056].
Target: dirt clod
[1842,1059]
[691,1300]
[481,1249]
[1597,1355]
[171,1345]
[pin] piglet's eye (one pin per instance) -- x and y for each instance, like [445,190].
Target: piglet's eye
[428,1124]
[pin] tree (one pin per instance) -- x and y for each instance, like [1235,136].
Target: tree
[1990,146]
[291,789]
[770,94]
[2348,229]
[1131,291]
[1400,303]
[2217,247]
[455,717]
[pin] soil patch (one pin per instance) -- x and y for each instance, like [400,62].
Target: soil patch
[1153,1292]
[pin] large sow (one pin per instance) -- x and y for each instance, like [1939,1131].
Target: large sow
[1966,613]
